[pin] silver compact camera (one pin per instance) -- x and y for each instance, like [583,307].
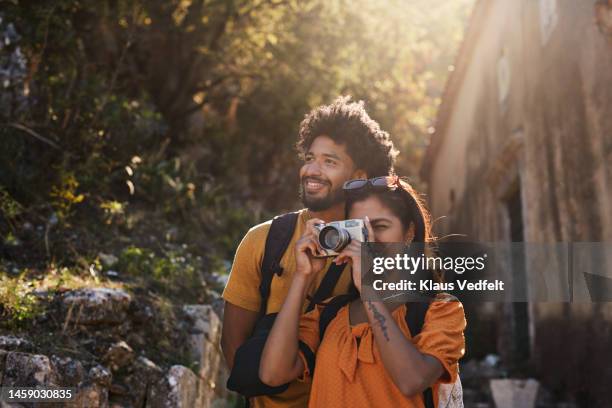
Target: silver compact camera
[335,236]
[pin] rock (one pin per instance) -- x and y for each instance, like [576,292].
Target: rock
[204,340]
[137,339]
[28,370]
[119,389]
[108,260]
[3,355]
[143,374]
[118,355]
[96,305]
[91,395]
[71,372]
[177,389]
[508,393]
[100,375]
[141,312]
[218,304]
[13,343]
[146,366]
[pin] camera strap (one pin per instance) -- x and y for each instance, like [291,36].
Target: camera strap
[327,285]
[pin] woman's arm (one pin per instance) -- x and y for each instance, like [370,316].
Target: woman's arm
[280,362]
[411,371]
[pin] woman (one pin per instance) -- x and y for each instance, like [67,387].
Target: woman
[367,356]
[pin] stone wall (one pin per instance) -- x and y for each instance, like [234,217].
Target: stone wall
[527,113]
[120,374]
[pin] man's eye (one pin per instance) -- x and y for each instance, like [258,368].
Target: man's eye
[308,159]
[330,162]
[380,227]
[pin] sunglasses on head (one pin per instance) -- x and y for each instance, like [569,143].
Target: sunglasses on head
[383,182]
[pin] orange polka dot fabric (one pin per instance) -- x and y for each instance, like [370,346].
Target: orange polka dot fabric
[349,373]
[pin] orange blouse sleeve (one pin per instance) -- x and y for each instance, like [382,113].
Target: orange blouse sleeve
[309,339]
[442,336]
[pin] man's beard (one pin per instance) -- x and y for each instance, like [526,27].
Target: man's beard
[323,203]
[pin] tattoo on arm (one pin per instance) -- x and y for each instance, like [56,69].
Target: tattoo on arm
[379,318]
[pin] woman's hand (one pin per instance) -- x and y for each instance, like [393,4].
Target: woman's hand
[307,250]
[352,254]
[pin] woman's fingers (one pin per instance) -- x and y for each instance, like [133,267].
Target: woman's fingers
[311,226]
[303,243]
[352,251]
[314,221]
[368,225]
[308,244]
[314,248]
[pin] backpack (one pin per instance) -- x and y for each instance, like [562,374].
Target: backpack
[244,377]
[449,395]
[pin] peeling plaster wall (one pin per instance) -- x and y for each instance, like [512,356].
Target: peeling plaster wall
[552,136]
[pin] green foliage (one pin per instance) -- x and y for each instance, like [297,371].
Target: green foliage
[64,196]
[175,271]
[8,206]
[17,305]
[128,119]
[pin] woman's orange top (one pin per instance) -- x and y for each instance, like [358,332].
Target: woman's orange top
[352,374]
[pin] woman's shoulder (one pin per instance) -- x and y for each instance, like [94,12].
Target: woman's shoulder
[446,307]
[442,306]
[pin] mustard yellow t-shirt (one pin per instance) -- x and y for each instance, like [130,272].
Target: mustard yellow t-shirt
[242,290]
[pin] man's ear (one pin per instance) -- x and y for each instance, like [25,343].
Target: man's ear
[410,233]
[360,174]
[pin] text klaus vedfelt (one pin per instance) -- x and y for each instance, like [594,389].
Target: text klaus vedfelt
[411,264]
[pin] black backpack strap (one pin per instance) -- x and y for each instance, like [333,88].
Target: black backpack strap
[330,311]
[415,318]
[325,289]
[279,237]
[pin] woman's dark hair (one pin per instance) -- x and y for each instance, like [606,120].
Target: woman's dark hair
[347,123]
[402,199]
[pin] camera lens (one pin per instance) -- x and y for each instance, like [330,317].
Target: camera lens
[334,239]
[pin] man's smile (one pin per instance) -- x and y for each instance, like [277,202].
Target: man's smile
[313,186]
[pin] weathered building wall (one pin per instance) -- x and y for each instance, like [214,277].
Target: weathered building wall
[527,119]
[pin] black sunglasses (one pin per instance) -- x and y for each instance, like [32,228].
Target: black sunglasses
[386,182]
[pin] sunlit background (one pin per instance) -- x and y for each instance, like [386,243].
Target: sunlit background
[139,140]
[115,114]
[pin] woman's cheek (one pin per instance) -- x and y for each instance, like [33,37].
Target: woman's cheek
[393,235]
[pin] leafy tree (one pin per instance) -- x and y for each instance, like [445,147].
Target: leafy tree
[187,111]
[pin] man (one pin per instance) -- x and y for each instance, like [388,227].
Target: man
[336,142]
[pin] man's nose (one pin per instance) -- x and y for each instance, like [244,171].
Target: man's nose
[312,169]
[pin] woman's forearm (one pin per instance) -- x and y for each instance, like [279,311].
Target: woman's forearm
[280,362]
[410,370]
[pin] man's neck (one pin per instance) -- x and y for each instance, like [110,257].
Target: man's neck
[334,213]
